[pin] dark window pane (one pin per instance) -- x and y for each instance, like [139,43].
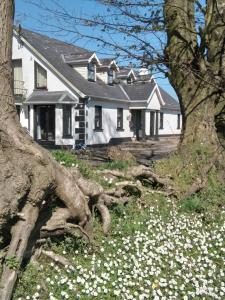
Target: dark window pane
[129,80]
[178,121]
[98,117]
[67,121]
[161,121]
[40,77]
[119,118]
[110,77]
[91,72]
[18,110]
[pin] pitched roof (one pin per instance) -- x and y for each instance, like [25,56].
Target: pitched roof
[139,90]
[53,49]
[56,51]
[77,57]
[44,97]
[123,73]
[170,102]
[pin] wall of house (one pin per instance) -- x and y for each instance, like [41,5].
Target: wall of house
[170,123]
[82,70]
[53,84]
[103,76]
[109,122]
[28,58]
[59,140]
[154,103]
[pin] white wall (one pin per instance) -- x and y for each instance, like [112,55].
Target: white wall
[53,84]
[28,59]
[154,102]
[59,127]
[103,76]
[82,70]
[170,123]
[109,122]
[147,122]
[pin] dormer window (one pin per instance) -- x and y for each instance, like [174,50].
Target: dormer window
[110,77]
[40,77]
[129,80]
[91,72]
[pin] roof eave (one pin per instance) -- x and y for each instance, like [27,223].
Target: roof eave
[23,39]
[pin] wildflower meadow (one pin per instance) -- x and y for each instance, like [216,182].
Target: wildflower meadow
[150,254]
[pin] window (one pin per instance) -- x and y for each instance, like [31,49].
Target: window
[91,72]
[129,80]
[67,121]
[98,117]
[161,121]
[17,77]
[119,118]
[178,121]
[110,77]
[18,110]
[40,77]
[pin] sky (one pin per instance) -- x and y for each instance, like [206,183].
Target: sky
[31,17]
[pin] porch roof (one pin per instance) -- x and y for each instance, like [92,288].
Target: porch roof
[45,97]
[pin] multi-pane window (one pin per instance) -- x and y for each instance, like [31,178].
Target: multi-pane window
[178,121]
[161,121]
[67,121]
[18,110]
[110,77]
[119,118]
[40,77]
[98,117]
[129,80]
[17,76]
[91,72]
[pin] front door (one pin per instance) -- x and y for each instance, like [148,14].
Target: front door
[136,123]
[152,123]
[46,123]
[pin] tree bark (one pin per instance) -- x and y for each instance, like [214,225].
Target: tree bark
[29,176]
[192,74]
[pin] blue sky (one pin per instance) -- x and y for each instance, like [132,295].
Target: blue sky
[31,17]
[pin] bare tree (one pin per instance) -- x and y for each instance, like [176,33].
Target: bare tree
[184,39]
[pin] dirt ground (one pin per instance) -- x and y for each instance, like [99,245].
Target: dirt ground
[144,151]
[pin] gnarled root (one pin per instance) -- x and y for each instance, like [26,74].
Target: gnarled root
[29,179]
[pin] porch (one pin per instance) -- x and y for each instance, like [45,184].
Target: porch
[51,118]
[144,124]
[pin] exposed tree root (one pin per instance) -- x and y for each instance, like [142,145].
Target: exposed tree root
[140,172]
[56,258]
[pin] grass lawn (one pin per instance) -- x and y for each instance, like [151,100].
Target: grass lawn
[156,253]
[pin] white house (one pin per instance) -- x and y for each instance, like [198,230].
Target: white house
[66,95]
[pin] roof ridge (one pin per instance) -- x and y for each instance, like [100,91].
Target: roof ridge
[52,39]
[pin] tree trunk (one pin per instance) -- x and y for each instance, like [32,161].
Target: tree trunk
[192,76]
[29,176]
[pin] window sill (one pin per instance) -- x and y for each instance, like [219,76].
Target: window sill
[161,128]
[98,129]
[67,136]
[41,88]
[119,129]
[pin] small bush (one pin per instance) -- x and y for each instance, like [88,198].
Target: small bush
[116,154]
[192,204]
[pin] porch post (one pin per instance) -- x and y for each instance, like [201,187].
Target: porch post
[143,124]
[31,121]
[157,126]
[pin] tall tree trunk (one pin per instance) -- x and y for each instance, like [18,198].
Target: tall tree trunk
[192,75]
[28,173]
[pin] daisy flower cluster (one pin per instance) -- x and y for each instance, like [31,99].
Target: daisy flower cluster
[153,257]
